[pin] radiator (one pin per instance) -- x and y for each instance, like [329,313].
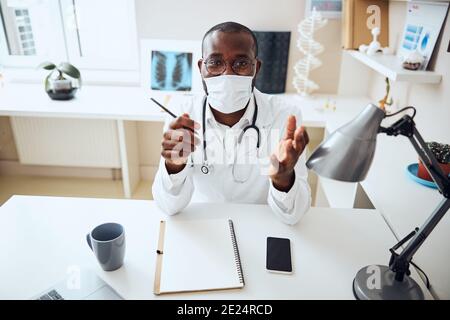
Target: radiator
[67,142]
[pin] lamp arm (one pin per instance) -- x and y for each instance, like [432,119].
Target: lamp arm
[405,126]
[401,261]
[430,162]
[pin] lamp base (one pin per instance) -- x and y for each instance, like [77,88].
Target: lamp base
[378,283]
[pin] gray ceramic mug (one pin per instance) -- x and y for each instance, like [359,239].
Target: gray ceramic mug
[107,241]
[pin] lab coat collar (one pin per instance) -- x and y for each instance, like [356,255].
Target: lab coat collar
[265,108]
[265,113]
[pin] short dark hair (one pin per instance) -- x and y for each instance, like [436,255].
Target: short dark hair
[232,27]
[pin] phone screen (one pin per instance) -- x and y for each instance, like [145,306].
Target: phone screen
[278,257]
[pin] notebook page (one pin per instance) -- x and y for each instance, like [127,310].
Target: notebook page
[198,255]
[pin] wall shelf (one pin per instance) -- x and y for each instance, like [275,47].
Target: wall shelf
[390,66]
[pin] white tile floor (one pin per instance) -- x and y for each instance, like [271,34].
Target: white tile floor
[68,187]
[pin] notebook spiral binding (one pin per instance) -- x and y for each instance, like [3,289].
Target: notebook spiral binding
[236,253]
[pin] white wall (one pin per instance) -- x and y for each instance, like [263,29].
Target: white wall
[432,101]
[190,19]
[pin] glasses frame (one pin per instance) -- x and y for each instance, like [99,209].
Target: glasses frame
[226,63]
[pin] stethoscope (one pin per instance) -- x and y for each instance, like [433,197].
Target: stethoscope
[206,167]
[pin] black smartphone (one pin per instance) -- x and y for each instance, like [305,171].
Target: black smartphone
[278,256]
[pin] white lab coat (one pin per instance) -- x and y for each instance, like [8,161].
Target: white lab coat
[174,192]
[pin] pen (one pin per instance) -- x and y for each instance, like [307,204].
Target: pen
[168,111]
[164,108]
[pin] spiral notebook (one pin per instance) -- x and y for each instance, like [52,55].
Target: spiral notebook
[197,255]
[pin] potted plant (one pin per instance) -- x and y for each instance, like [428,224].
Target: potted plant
[441,152]
[63,81]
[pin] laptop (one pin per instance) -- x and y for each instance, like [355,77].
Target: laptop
[86,286]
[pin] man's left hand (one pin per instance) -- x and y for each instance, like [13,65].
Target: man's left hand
[285,158]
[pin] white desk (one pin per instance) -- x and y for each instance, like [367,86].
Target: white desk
[406,204]
[42,236]
[91,102]
[133,104]
[120,107]
[403,203]
[115,107]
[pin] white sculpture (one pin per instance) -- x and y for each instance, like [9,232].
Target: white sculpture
[374,46]
[310,48]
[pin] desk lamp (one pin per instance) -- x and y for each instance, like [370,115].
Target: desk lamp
[346,155]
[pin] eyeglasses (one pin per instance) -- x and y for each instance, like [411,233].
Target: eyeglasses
[241,66]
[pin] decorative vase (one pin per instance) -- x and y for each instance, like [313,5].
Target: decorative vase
[422,172]
[61,89]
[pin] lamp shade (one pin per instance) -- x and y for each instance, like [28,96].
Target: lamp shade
[347,154]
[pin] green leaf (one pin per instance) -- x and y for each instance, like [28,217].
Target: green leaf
[69,69]
[47,65]
[47,82]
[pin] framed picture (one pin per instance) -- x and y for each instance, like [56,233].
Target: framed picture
[328,8]
[273,50]
[170,66]
[423,25]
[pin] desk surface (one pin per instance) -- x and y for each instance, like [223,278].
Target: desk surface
[405,204]
[386,185]
[133,103]
[44,236]
[91,102]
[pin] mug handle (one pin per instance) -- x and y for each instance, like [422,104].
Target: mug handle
[88,239]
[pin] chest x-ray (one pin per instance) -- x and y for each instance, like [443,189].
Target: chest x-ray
[171,71]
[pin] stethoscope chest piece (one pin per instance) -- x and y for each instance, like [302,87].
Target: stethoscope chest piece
[205,169]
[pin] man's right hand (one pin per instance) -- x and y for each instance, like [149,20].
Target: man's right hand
[179,141]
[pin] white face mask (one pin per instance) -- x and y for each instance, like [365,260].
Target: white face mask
[229,93]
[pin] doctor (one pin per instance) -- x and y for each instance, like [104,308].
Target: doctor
[219,149]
